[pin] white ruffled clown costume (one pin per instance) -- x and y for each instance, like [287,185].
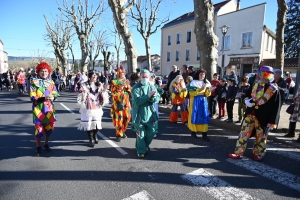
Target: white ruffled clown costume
[91,97]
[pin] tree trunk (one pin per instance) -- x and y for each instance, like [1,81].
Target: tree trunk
[281,20]
[119,12]
[84,53]
[148,54]
[207,41]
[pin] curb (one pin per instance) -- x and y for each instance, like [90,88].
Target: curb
[276,138]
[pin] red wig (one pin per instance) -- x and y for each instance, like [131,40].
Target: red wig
[42,65]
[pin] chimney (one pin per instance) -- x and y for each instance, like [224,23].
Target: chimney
[238,5]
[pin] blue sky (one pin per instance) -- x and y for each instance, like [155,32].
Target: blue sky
[23,25]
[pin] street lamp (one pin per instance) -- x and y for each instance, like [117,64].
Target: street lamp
[91,43]
[224,30]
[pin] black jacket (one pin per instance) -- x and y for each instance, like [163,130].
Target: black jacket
[220,90]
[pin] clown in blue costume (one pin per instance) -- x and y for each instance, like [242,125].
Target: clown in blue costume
[199,118]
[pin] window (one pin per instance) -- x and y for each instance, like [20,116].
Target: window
[168,56]
[169,40]
[187,54]
[188,36]
[198,55]
[271,48]
[227,42]
[247,40]
[177,55]
[178,38]
[267,43]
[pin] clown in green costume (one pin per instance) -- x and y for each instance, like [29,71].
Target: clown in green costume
[144,117]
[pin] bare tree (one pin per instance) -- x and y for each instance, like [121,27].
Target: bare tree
[281,20]
[59,36]
[101,41]
[117,43]
[106,55]
[83,23]
[207,41]
[146,19]
[120,9]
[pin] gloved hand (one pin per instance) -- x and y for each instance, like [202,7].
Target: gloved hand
[247,102]
[151,93]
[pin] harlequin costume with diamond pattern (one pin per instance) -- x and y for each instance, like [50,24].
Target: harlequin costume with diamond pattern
[260,114]
[120,93]
[43,111]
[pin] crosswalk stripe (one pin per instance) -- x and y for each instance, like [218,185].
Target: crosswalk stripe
[215,186]
[119,149]
[143,195]
[274,174]
[284,152]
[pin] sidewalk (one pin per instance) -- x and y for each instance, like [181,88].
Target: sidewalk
[282,129]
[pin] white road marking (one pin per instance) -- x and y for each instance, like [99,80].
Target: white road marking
[274,174]
[112,143]
[143,195]
[285,152]
[67,108]
[216,187]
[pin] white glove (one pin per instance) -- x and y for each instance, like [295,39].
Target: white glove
[151,93]
[247,102]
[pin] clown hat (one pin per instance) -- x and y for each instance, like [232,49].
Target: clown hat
[120,69]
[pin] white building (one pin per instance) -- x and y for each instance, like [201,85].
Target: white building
[247,42]
[3,59]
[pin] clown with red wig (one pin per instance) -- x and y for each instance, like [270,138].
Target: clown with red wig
[42,94]
[263,105]
[120,107]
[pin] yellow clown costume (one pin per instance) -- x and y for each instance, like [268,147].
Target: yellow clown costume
[178,93]
[121,108]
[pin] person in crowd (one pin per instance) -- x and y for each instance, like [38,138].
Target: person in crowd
[32,76]
[6,80]
[77,82]
[160,91]
[192,73]
[184,72]
[42,94]
[212,102]
[91,97]
[27,82]
[172,75]
[280,82]
[120,107]
[57,77]
[20,79]
[231,93]
[144,116]
[102,78]
[263,104]
[288,81]
[1,81]
[242,91]
[221,95]
[135,77]
[233,76]
[198,114]
[178,92]
[158,81]
[112,75]
[295,116]
[188,80]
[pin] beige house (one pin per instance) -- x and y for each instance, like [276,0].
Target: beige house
[3,59]
[178,41]
[142,63]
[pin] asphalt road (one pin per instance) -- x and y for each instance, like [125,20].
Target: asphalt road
[177,167]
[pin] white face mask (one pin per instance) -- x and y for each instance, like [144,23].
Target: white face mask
[144,81]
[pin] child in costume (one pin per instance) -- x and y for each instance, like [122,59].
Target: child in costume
[178,92]
[42,94]
[91,96]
